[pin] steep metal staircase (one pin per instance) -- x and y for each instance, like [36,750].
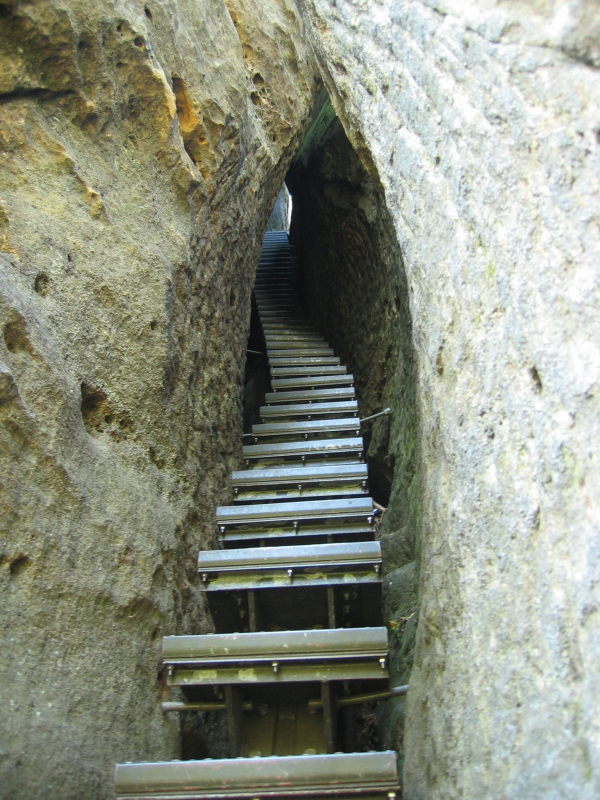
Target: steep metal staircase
[295,592]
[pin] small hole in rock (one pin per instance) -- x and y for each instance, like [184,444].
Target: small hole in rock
[120,27]
[439,361]
[537,381]
[95,409]
[232,298]
[147,12]
[18,563]
[16,338]
[153,325]
[41,283]
[255,97]
[155,458]
[138,41]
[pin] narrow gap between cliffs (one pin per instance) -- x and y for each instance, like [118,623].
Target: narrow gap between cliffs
[354,289]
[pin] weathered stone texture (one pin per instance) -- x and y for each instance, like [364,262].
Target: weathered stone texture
[481,122]
[141,150]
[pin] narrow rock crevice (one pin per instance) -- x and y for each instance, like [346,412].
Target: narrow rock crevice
[354,288]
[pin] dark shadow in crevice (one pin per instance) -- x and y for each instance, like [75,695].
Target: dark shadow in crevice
[256,373]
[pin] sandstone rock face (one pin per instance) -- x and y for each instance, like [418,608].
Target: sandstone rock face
[141,150]
[480,120]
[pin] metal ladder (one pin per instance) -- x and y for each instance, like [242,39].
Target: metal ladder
[295,591]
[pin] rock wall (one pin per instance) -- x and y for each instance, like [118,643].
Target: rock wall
[141,150]
[480,122]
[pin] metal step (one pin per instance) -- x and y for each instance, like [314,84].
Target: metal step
[292,336]
[293,345]
[311,382]
[338,476]
[275,516]
[300,351]
[273,329]
[302,360]
[309,370]
[275,317]
[308,410]
[304,534]
[343,776]
[308,395]
[293,587]
[323,449]
[265,567]
[291,342]
[311,491]
[335,654]
[304,429]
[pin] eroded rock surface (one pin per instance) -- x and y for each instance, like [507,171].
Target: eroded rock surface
[480,120]
[141,150]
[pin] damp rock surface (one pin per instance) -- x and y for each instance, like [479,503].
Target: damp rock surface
[480,121]
[141,149]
